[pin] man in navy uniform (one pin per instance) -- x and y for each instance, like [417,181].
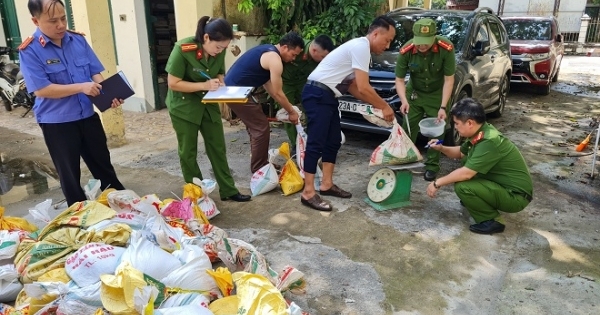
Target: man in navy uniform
[62,69]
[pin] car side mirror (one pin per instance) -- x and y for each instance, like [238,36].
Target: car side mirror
[481,47]
[559,38]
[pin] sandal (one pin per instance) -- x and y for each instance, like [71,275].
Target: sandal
[336,192]
[316,203]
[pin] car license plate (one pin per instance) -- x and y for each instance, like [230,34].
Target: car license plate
[353,107]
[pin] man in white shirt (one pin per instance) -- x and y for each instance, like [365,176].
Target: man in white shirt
[346,67]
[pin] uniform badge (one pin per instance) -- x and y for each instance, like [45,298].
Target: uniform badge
[407,48]
[199,54]
[188,47]
[42,41]
[477,138]
[445,45]
[52,61]
[424,29]
[25,43]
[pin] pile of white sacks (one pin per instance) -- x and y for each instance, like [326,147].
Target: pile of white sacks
[125,254]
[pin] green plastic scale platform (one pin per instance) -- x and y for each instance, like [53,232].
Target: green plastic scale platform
[389,188]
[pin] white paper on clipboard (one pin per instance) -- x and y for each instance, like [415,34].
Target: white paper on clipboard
[229,94]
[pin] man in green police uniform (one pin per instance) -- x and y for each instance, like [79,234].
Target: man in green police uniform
[431,63]
[296,72]
[494,176]
[197,65]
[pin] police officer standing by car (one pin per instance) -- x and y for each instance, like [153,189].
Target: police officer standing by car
[430,60]
[295,73]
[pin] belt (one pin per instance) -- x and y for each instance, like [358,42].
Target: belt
[319,85]
[526,195]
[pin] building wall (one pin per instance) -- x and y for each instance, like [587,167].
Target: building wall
[569,13]
[133,55]
[26,26]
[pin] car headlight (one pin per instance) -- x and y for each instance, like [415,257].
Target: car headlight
[539,56]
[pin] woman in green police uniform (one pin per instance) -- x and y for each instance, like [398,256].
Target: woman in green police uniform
[197,65]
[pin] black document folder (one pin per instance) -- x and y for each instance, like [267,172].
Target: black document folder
[115,86]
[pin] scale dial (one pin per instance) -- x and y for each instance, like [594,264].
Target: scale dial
[381,185]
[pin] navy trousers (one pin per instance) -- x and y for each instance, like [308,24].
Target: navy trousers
[67,143]
[324,131]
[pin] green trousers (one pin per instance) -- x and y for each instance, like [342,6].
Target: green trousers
[294,95]
[214,144]
[426,105]
[485,199]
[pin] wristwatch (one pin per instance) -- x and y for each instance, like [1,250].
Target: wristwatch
[435,185]
[443,107]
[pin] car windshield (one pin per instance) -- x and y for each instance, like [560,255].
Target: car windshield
[451,27]
[527,29]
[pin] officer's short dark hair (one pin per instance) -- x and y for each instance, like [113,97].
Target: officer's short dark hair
[325,42]
[36,7]
[217,29]
[468,108]
[292,40]
[382,21]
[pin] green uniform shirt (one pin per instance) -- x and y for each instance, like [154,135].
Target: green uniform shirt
[185,64]
[426,70]
[497,159]
[296,72]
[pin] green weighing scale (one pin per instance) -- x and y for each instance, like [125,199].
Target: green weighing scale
[389,188]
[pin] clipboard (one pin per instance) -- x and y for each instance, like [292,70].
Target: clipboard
[116,86]
[228,94]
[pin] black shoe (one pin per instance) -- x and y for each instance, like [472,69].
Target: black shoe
[238,197]
[429,175]
[487,227]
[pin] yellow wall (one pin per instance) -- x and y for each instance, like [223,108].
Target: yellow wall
[92,17]
[26,26]
[187,14]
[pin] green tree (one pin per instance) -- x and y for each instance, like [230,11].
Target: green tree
[340,19]
[435,4]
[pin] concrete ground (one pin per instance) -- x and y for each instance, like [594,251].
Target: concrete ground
[418,259]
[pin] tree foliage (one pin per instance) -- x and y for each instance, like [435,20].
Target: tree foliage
[340,19]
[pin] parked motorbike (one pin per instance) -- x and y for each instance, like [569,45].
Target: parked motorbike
[13,90]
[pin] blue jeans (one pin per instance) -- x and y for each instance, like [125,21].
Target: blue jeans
[324,131]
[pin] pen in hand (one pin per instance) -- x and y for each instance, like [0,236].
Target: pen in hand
[436,143]
[207,76]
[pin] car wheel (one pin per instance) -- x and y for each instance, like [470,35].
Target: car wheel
[502,94]
[543,89]
[555,77]
[452,137]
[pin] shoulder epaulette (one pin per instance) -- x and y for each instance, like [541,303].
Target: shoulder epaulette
[407,48]
[444,44]
[25,43]
[477,138]
[189,47]
[76,32]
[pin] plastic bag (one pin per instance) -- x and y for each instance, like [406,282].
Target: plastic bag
[182,209]
[291,279]
[188,309]
[80,214]
[209,236]
[192,276]
[9,243]
[7,309]
[194,192]
[241,256]
[41,211]
[283,116]
[117,291]
[301,141]
[183,299]
[258,296]
[92,188]
[206,204]
[375,116]
[52,252]
[9,283]
[92,260]
[149,258]
[264,180]
[289,179]
[222,277]
[225,306]
[13,223]
[162,234]
[397,149]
